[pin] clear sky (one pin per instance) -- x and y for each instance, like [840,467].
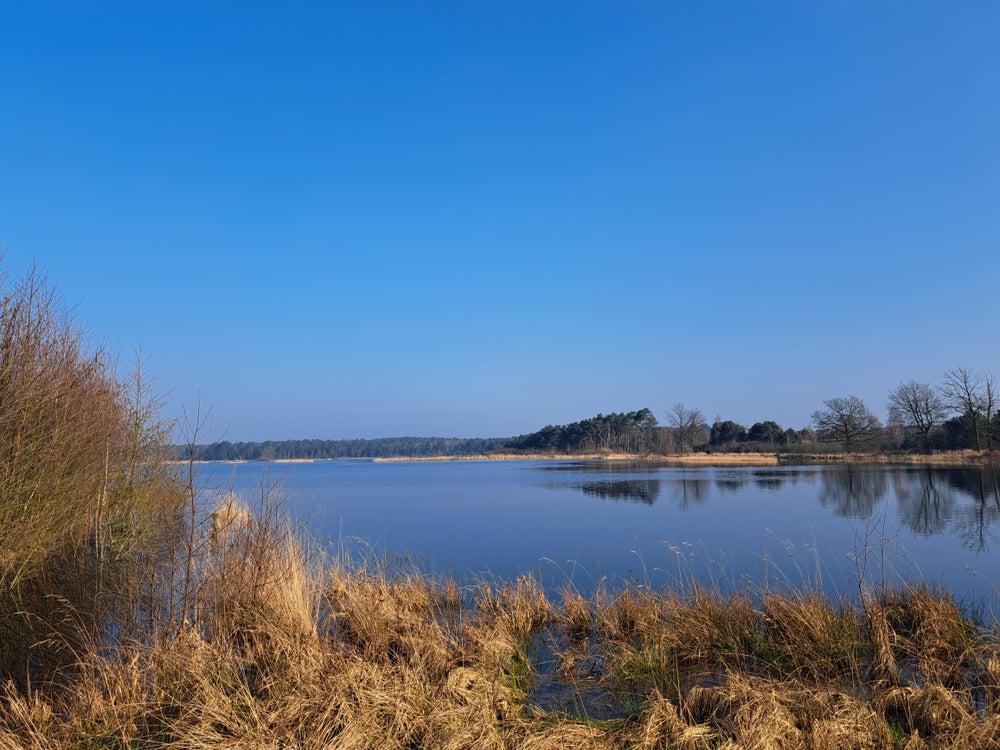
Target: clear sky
[466,218]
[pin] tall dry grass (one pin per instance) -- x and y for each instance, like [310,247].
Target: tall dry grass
[287,650]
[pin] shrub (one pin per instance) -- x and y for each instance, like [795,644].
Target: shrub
[84,491]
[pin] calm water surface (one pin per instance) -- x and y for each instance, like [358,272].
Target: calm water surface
[579,522]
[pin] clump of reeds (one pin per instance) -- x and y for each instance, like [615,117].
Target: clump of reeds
[507,617]
[255,574]
[809,638]
[575,618]
[931,634]
[666,640]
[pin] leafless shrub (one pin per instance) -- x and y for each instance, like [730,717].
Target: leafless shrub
[84,488]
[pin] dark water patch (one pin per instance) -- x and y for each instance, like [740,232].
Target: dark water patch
[644,491]
[569,680]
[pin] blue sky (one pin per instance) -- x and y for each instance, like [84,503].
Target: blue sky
[476,218]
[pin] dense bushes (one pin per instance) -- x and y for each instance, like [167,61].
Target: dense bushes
[84,494]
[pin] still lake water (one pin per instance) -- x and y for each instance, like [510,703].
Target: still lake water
[577,522]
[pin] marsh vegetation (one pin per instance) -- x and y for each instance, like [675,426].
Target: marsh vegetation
[279,651]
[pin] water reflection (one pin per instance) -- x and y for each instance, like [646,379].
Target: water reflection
[964,502]
[644,491]
[681,492]
[924,500]
[685,492]
[929,501]
[853,491]
[772,479]
[606,467]
[976,523]
[596,521]
[732,482]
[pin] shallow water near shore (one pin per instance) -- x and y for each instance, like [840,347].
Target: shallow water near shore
[590,523]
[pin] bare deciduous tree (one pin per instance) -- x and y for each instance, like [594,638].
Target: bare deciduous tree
[688,424]
[847,421]
[917,407]
[973,396]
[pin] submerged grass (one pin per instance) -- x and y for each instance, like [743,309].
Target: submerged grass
[282,651]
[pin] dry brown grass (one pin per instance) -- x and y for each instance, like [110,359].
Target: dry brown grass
[342,656]
[811,639]
[937,458]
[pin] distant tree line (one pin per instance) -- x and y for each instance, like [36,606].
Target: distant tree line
[625,432]
[760,436]
[963,412]
[397,447]
[639,432]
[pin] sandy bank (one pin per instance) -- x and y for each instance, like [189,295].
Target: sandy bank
[948,458]
[694,459]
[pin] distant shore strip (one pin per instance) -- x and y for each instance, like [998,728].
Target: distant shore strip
[947,458]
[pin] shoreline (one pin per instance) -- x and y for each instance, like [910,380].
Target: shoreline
[693,459]
[965,458]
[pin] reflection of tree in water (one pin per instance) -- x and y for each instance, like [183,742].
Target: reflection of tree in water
[853,491]
[686,491]
[974,520]
[964,501]
[732,482]
[979,483]
[773,479]
[606,467]
[925,499]
[633,490]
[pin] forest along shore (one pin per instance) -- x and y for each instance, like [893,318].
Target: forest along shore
[943,458]
[949,458]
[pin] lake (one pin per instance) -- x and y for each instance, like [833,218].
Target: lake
[580,522]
